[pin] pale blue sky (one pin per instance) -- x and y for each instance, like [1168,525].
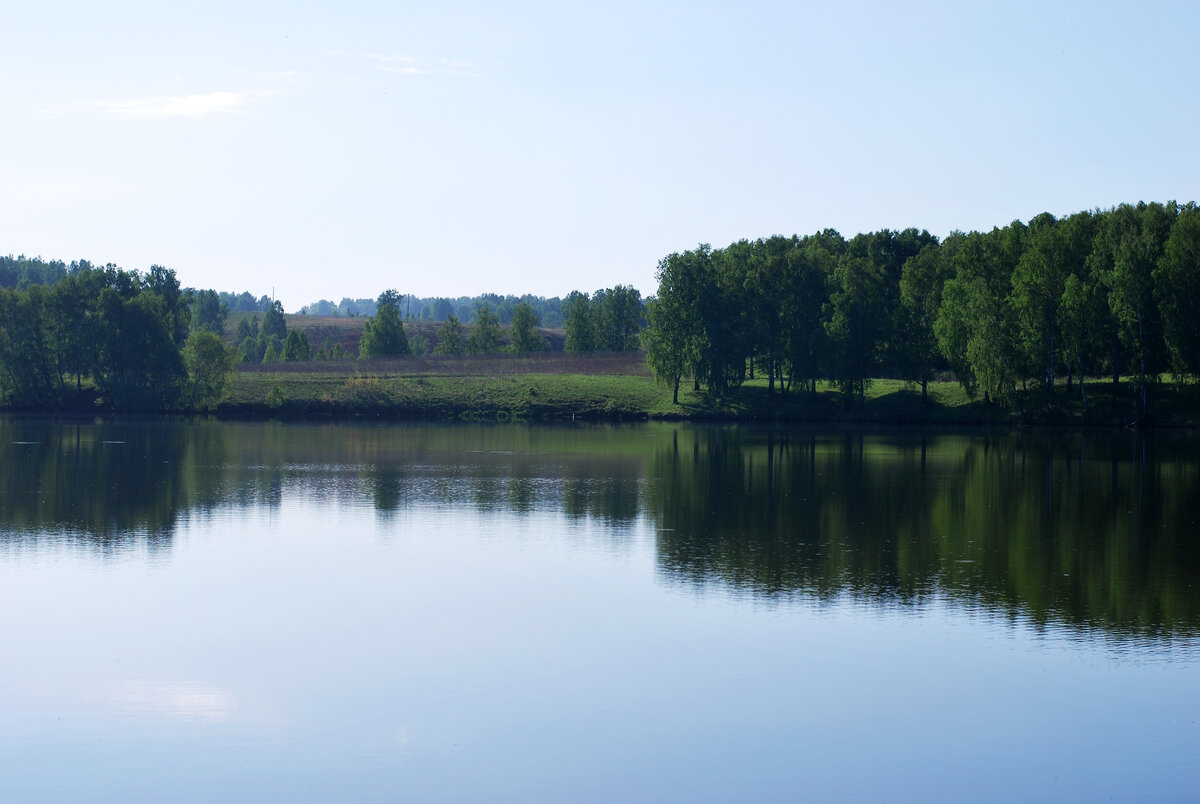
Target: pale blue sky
[458,148]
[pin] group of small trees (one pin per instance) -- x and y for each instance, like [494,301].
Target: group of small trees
[125,333]
[271,342]
[1113,292]
[384,336]
[607,321]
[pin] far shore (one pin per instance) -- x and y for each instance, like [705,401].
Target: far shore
[619,388]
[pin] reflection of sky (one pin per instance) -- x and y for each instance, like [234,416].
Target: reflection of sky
[177,700]
[317,651]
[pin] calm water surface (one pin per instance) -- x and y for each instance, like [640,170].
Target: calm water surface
[207,611]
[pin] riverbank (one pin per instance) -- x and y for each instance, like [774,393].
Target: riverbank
[538,396]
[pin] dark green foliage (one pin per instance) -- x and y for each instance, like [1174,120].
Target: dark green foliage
[177,313]
[244,303]
[1113,291]
[523,337]
[611,320]
[273,322]
[619,317]
[120,330]
[26,359]
[140,366]
[296,348]
[1177,286]
[672,341]
[209,313]
[21,272]
[252,349]
[579,323]
[450,339]
[209,365]
[921,282]
[383,335]
[436,308]
[271,350]
[485,333]
[857,323]
[247,328]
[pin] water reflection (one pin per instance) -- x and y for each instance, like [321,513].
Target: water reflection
[1095,531]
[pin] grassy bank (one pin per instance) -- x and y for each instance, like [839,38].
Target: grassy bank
[618,387]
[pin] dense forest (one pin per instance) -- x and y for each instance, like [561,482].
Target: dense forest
[1111,293]
[130,336]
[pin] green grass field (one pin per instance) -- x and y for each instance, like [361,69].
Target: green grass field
[565,387]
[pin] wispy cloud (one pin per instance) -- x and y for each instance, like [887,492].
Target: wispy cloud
[208,104]
[406,65]
[410,65]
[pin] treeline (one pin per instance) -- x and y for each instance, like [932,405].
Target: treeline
[107,336]
[1098,293]
[609,320]
[22,271]
[548,311]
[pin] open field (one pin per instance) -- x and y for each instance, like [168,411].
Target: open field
[558,386]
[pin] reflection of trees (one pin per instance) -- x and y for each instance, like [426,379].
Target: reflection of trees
[1091,530]
[1096,531]
[102,484]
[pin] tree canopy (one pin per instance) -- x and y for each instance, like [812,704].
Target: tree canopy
[1114,291]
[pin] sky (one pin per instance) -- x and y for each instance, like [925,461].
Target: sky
[320,150]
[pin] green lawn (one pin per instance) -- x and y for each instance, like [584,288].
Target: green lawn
[565,396]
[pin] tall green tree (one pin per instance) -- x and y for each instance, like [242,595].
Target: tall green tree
[672,338]
[209,313]
[523,336]
[484,338]
[450,340]
[667,345]
[579,322]
[1128,248]
[1177,289]
[921,281]
[976,327]
[274,323]
[209,364]
[766,278]
[27,377]
[176,305]
[73,322]
[297,348]
[383,335]
[810,268]
[857,323]
[1038,282]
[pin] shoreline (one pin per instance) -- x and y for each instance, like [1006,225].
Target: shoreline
[618,398]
